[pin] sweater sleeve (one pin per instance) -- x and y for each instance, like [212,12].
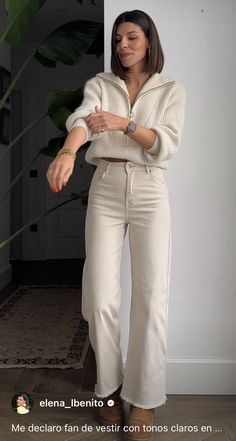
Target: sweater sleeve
[92,98]
[169,131]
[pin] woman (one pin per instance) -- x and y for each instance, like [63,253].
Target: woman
[134,117]
[22,403]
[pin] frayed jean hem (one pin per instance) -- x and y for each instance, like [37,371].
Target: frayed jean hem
[144,406]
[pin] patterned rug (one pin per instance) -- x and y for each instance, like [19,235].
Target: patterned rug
[42,327]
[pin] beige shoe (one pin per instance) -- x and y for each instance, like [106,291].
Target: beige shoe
[139,419]
[108,415]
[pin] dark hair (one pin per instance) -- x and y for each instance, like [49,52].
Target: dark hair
[26,398]
[154,60]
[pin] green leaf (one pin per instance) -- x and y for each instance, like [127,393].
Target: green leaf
[69,42]
[92,1]
[41,3]
[83,196]
[45,61]
[62,104]
[20,15]
[54,145]
[97,46]
[59,118]
[69,98]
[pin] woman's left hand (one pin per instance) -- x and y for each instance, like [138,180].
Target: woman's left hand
[105,121]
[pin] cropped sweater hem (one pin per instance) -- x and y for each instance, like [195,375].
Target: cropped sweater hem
[159,106]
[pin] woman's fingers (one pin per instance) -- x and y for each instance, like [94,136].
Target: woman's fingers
[59,179]
[62,177]
[92,117]
[102,120]
[66,177]
[59,172]
[51,176]
[96,124]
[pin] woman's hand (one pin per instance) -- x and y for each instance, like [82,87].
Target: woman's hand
[59,171]
[105,121]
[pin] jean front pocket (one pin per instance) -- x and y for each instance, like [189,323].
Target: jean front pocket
[157,175]
[100,174]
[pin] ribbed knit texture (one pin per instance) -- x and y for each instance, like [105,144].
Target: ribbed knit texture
[159,106]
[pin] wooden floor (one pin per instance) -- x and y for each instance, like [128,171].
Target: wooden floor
[182,418]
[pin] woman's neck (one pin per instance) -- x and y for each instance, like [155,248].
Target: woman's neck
[136,79]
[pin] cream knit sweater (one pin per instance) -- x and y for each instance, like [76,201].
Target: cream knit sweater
[159,106]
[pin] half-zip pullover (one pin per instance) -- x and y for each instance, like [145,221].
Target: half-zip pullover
[159,106]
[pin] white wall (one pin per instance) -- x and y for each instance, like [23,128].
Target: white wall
[5,267]
[198,41]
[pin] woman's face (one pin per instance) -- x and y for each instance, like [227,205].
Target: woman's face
[20,401]
[131,45]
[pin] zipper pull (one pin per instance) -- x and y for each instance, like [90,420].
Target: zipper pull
[131,113]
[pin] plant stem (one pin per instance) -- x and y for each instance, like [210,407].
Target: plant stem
[37,219]
[18,176]
[21,134]
[13,83]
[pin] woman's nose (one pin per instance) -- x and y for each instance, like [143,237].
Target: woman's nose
[124,43]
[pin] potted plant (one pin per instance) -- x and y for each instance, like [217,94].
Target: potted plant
[66,44]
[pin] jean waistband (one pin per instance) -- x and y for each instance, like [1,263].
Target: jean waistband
[128,165]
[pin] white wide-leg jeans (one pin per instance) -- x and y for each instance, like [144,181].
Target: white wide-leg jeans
[122,194]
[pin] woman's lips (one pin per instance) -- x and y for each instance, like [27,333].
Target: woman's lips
[125,55]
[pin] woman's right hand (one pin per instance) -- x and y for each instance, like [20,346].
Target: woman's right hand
[59,172]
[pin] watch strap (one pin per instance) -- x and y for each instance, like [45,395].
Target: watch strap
[128,128]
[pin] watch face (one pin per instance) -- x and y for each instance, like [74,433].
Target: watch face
[132,127]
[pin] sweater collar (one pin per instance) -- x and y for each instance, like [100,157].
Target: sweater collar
[156,80]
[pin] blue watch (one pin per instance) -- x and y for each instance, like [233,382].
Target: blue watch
[131,128]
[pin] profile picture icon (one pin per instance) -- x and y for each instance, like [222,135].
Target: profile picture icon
[22,403]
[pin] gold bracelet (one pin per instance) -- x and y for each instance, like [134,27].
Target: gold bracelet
[67,151]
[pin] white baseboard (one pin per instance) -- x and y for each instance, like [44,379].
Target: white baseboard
[201,376]
[5,276]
